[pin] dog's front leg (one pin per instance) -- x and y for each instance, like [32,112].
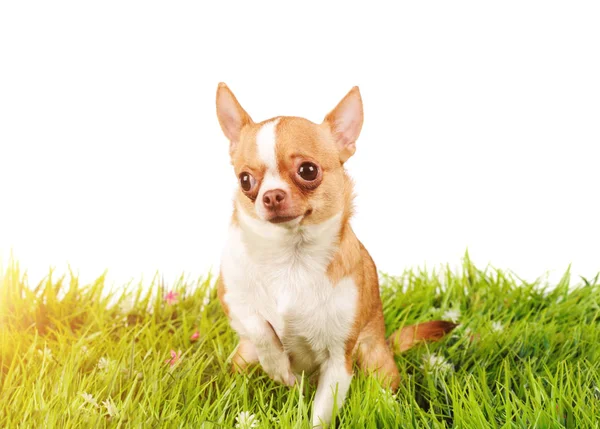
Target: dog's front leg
[334,381]
[271,355]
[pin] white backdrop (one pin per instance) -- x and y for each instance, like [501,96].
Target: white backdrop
[482,128]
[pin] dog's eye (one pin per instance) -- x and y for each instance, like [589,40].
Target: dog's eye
[308,171]
[247,182]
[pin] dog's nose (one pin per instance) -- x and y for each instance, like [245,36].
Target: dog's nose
[273,198]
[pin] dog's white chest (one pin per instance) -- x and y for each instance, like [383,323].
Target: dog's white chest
[287,285]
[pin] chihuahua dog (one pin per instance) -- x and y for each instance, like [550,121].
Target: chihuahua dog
[297,285]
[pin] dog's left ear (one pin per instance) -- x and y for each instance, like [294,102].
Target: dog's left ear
[345,122]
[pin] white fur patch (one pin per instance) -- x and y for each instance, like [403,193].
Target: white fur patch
[281,275]
[266,138]
[266,141]
[278,275]
[334,382]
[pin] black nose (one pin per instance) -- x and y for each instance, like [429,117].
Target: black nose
[273,198]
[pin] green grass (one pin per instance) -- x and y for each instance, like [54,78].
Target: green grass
[525,355]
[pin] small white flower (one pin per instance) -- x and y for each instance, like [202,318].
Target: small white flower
[89,399]
[111,408]
[434,310]
[245,420]
[45,352]
[104,364]
[127,305]
[387,397]
[435,363]
[497,327]
[453,315]
[85,350]
[205,301]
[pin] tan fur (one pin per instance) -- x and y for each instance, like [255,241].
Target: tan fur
[408,336]
[367,343]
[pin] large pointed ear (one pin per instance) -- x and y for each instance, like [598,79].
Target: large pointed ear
[345,122]
[232,117]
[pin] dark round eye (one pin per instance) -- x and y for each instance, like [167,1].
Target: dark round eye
[308,171]
[247,181]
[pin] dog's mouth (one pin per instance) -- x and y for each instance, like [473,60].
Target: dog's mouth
[284,219]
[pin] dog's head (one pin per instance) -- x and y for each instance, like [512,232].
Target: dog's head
[290,170]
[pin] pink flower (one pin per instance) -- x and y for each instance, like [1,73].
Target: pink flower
[171,297]
[175,357]
[195,335]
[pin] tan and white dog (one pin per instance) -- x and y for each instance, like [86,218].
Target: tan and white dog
[297,285]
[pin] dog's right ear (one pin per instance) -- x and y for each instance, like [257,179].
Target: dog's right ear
[232,117]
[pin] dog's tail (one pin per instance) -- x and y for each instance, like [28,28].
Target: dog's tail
[407,337]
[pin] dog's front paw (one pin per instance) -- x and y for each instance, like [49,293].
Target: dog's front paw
[277,366]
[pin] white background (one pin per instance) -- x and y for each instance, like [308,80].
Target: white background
[482,128]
